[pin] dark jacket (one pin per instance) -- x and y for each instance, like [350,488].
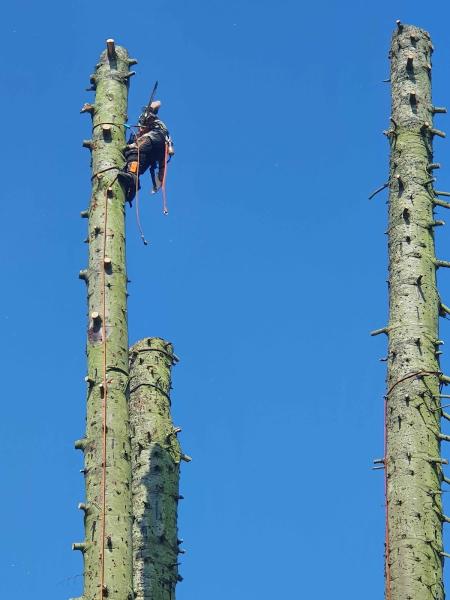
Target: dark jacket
[151,147]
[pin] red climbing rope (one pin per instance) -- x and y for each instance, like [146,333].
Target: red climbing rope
[104,403]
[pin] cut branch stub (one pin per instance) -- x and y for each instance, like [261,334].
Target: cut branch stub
[438,202]
[111,49]
[380,331]
[88,108]
[442,263]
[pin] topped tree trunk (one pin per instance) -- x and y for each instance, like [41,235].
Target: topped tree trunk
[413,465]
[155,457]
[107,547]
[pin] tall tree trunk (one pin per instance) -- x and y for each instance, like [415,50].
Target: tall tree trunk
[155,458]
[107,547]
[413,467]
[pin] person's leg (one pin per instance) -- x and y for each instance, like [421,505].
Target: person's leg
[128,179]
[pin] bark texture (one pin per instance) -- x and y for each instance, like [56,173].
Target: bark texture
[412,460]
[108,491]
[155,457]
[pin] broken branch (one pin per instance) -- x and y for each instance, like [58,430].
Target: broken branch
[378,190]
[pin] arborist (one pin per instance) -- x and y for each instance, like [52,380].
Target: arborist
[151,146]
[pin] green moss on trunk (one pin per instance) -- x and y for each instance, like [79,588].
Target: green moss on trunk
[155,461]
[413,471]
[107,316]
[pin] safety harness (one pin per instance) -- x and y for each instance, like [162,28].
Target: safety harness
[161,165]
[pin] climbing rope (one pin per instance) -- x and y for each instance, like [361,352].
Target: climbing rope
[104,402]
[386,504]
[138,218]
[163,186]
[163,183]
[104,398]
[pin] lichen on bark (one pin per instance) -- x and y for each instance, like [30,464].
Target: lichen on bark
[107,552]
[413,470]
[155,458]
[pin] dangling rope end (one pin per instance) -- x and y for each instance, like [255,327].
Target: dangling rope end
[163,182]
[138,219]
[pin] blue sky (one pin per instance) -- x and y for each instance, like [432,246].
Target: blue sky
[267,276]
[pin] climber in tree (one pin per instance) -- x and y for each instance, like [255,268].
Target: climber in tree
[150,148]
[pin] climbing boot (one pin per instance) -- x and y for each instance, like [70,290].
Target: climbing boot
[128,182]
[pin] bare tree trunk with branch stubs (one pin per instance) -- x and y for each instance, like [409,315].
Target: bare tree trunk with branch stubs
[412,461]
[155,457]
[107,547]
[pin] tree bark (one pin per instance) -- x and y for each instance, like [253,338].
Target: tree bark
[107,548]
[413,469]
[155,458]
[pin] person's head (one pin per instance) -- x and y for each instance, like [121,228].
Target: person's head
[146,119]
[155,106]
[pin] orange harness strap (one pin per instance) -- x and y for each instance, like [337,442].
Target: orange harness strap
[133,166]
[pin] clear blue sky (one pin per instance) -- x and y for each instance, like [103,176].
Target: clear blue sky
[267,276]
